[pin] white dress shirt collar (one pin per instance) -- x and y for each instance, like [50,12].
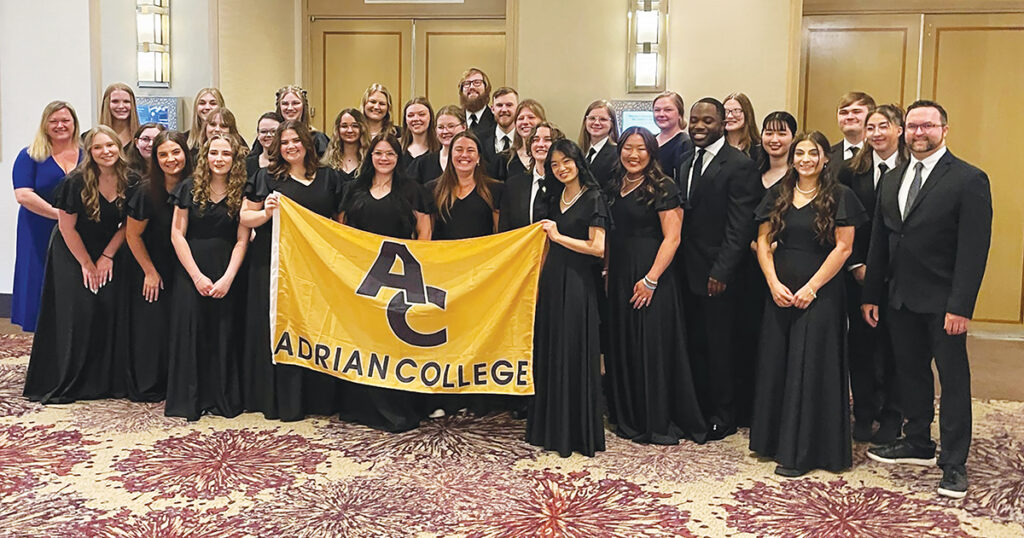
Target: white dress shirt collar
[598,146]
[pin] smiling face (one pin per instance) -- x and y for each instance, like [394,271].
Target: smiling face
[851,120]
[808,159]
[525,122]
[205,104]
[349,129]
[734,118]
[417,118]
[504,108]
[291,106]
[376,107]
[882,135]
[666,115]
[104,150]
[563,167]
[540,144]
[215,125]
[705,124]
[171,158]
[776,139]
[465,156]
[925,132]
[598,123]
[220,157]
[292,150]
[384,158]
[633,155]
[447,128]
[120,105]
[266,130]
[60,126]
[145,142]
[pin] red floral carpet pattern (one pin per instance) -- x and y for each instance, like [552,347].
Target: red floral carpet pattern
[118,469]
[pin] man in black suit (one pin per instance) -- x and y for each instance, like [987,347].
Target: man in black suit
[718,185]
[929,245]
[852,114]
[523,202]
[474,95]
[500,138]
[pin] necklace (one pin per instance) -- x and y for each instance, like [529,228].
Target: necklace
[628,180]
[568,203]
[808,193]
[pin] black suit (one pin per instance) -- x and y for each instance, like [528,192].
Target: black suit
[717,230]
[872,368]
[515,210]
[836,156]
[931,264]
[485,123]
[605,163]
[487,153]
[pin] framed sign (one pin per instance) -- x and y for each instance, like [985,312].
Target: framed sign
[629,113]
[162,110]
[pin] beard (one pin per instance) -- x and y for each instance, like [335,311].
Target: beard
[474,103]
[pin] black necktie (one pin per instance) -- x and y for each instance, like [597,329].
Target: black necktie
[853,151]
[915,187]
[882,169]
[590,155]
[504,143]
[472,121]
[537,209]
[698,169]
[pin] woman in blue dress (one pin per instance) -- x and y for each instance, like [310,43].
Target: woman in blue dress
[37,171]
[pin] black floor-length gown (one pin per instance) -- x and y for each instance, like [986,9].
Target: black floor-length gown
[378,407]
[206,333]
[752,292]
[802,401]
[651,391]
[469,217]
[565,413]
[282,391]
[76,353]
[149,324]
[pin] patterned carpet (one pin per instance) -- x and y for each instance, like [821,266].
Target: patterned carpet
[121,469]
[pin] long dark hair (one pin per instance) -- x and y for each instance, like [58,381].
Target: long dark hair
[364,180]
[865,159]
[778,120]
[445,189]
[552,187]
[824,203]
[433,144]
[157,178]
[654,186]
[136,162]
[278,166]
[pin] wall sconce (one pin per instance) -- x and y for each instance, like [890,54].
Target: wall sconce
[152,20]
[646,45]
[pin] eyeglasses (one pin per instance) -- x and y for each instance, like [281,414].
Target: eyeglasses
[734,112]
[448,126]
[383,154]
[914,127]
[478,83]
[881,128]
[146,139]
[598,119]
[267,132]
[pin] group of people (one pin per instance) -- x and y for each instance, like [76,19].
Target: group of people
[705,277]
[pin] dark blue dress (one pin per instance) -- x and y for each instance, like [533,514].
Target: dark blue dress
[33,237]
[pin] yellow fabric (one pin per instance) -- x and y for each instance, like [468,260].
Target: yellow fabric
[331,285]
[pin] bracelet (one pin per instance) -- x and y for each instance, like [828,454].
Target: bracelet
[650,284]
[813,294]
[104,254]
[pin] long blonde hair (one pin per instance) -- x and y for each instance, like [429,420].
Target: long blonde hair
[107,117]
[335,154]
[301,94]
[613,133]
[386,123]
[226,117]
[751,135]
[91,173]
[42,146]
[518,141]
[236,176]
[198,127]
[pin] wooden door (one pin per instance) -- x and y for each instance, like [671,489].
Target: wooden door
[972,65]
[876,54]
[444,49]
[349,55]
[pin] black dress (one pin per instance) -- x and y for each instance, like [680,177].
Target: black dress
[283,391]
[674,153]
[76,354]
[206,333]
[652,396]
[377,407]
[565,413]
[507,164]
[802,402]
[425,168]
[149,323]
[752,290]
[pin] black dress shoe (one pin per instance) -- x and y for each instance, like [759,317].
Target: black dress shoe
[788,472]
[902,452]
[719,432]
[888,432]
[954,482]
[862,430]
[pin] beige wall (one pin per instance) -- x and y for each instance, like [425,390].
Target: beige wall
[566,66]
[257,43]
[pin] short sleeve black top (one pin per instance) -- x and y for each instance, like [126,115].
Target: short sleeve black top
[467,217]
[95,234]
[392,215]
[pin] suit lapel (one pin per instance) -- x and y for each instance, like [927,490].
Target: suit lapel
[940,170]
[708,177]
[889,194]
[682,180]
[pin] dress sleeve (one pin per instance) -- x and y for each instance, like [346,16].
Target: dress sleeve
[849,210]
[345,196]
[670,198]
[139,202]
[764,209]
[257,187]
[68,194]
[597,210]
[24,171]
[420,198]
[497,193]
[181,196]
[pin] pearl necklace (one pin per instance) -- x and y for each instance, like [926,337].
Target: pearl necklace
[569,203]
[807,193]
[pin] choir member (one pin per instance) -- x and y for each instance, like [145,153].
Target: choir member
[207,326]
[474,96]
[293,105]
[516,159]
[852,113]
[266,128]
[75,352]
[741,125]
[598,134]
[524,201]
[429,166]
[139,152]
[419,131]
[218,121]
[674,145]
[37,171]
[282,391]
[151,278]
[719,188]
[206,100]
[349,143]
[383,201]
[802,402]
[117,111]
[565,413]
[500,137]
[376,108]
